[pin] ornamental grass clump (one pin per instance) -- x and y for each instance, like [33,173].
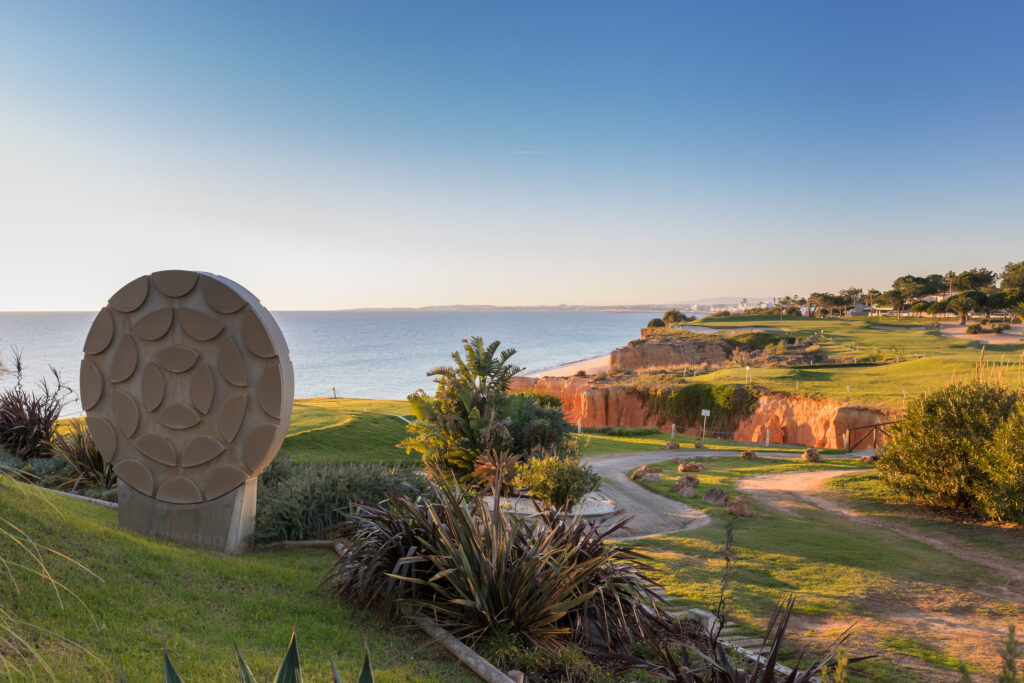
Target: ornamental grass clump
[28,419]
[483,573]
[84,465]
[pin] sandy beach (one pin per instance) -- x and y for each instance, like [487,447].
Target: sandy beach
[590,366]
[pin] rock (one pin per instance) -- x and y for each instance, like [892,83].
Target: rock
[748,455]
[692,467]
[715,496]
[739,507]
[670,446]
[679,460]
[869,458]
[699,446]
[645,472]
[689,493]
[687,481]
[811,455]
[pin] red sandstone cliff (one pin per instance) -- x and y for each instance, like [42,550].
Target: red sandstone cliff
[669,352]
[788,419]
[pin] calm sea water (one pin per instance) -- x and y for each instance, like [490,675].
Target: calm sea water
[372,354]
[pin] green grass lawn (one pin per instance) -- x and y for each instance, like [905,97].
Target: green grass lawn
[841,572]
[148,594]
[927,359]
[348,430]
[593,442]
[365,430]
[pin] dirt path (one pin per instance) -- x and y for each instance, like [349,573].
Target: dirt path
[968,625]
[775,490]
[652,514]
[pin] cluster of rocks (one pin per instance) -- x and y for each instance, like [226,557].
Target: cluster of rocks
[687,483]
[645,472]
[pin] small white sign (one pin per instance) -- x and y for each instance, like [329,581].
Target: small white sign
[705,413]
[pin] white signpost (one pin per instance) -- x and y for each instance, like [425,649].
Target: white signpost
[705,413]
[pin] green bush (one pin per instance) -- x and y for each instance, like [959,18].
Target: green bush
[974,328]
[1001,498]
[682,404]
[942,453]
[753,341]
[557,481]
[300,501]
[656,322]
[534,422]
[470,414]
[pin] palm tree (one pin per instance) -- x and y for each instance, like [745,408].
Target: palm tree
[962,306]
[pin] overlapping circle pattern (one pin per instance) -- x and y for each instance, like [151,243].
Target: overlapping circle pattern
[187,385]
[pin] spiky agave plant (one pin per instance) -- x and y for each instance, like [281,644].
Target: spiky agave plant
[290,670]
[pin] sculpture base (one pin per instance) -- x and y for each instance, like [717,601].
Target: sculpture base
[224,524]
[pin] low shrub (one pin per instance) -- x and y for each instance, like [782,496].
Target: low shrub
[656,322]
[557,481]
[629,431]
[811,455]
[485,574]
[999,328]
[299,501]
[28,419]
[974,328]
[942,451]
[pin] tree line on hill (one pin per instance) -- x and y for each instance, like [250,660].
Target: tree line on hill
[970,291]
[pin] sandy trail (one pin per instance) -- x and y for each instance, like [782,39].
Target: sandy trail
[774,489]
[967,624]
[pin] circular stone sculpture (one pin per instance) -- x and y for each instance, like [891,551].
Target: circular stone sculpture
[187,387]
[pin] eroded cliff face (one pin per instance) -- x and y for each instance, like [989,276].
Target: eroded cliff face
[809,421]
[784,418]
[597,405]
[668,352]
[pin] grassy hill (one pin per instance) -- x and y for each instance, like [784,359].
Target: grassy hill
[144,594]
[901,356]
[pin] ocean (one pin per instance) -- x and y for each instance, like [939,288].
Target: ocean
[362,354]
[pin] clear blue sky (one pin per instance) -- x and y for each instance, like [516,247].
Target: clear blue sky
[337,155]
